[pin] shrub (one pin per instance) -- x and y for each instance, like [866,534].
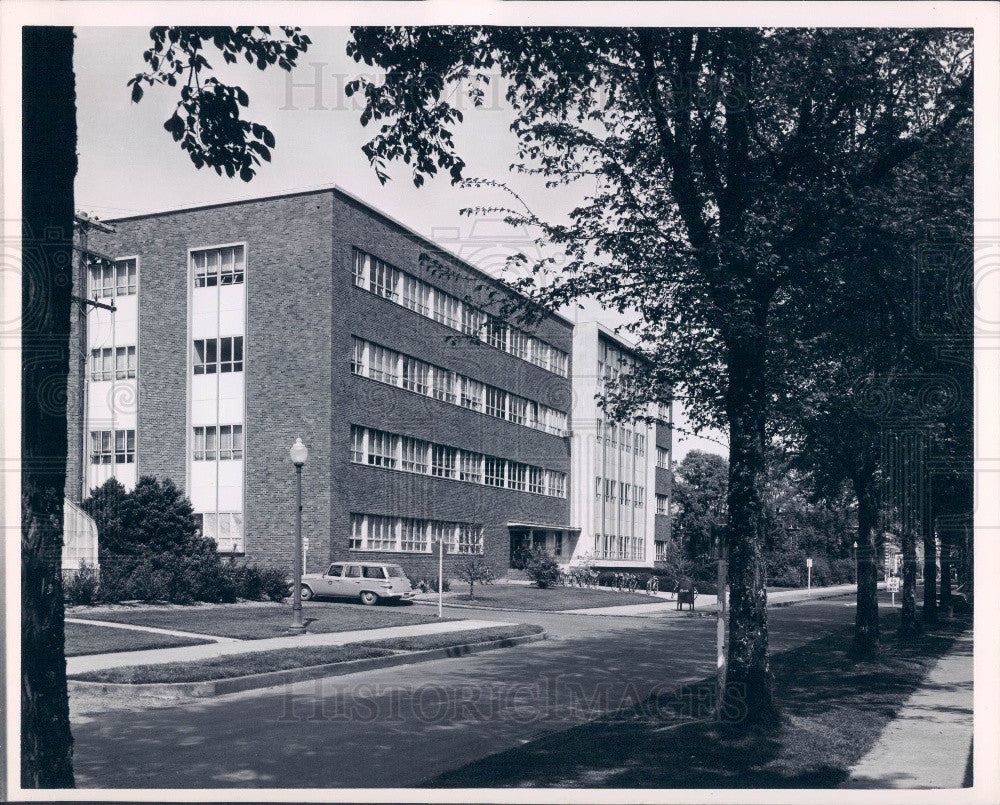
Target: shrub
[248,581]
[542,569]
[472,569]
[81,587]
[276,584]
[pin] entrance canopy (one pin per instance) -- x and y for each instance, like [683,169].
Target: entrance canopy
[556,540]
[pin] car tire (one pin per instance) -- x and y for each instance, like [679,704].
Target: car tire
[368,598]
[306,592]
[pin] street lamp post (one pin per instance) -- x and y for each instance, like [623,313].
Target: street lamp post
[299,453]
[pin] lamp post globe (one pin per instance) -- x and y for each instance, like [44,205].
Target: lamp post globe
[298,453]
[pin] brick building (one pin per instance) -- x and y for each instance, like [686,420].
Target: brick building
[429,411]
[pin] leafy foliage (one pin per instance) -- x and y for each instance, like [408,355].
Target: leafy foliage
[207,121]
[473,569]
[542,568]
[699,500]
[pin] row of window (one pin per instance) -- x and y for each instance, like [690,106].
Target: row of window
[631,494]
[389,282]
[223,266]
[612,546]
[110,279]
[407,454]
[614,434]
[376,532]
[218,443]
[661,550]
[388,366]
[112,447]
[213,355]
[112,363]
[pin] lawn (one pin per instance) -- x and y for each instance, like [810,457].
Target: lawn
[86,639]
[233,665]
[521,596]
[254,623]
[833,711]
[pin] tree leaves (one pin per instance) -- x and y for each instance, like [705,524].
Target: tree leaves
[207,121]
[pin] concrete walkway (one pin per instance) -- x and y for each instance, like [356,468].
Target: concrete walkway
[929,742]
[708,603]
[98,662]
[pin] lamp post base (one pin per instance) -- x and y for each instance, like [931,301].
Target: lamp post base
[296,629]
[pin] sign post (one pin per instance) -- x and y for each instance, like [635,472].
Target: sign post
[893,588]
[440,573]
[721,554]
[809,576]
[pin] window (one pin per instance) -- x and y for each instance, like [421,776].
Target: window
[496,471]
[381,533]
[444,385]
[415,375]
[600,488]
[416,295]
[383,364]
[443,532]
[413,535]
[471,467]
[518,413]
[517,476]
[626,494]
[661,504]
[470,539]
[599,432]
[100,364]
[124,446]
[218,443]
[213,355]
[383,279]
[662,458]
[101,447]
[661,550]
[496,402]
[357,444]
[609,490]
[613,436]
[640,497]
[107,446]
[496,332]
[125,277]
[556,483]
[382,448]
[536,480]
[223,266]
[640,444]
[443,461]
[472,393]
[101,275]
[357,356]
[447,309]
[472,321]
[663,412]
[124,363]
[519,343]
[357,540]
[627,438]
[360,262]
[414,454]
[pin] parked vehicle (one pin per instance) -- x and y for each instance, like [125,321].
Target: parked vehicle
[368,581]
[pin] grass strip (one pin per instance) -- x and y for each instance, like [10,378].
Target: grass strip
[84,638]
[833,711]
[259,662]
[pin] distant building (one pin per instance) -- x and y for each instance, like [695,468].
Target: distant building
[429,412]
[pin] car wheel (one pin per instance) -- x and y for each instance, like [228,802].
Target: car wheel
[306,593]
[368,598]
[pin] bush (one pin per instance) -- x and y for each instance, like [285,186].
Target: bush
[542,569]
[432,585]
[275,583]
[81,587]
[472,569]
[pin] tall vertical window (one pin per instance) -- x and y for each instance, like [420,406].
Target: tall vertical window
[125,274]
[357,539]
[383,364]
[626,494]
[101,364]
[472,321]
[470,539]
[640,444]
[518,412]
[536,480]
[519,343]
[381,533]
[415,375]
[357,356]
[382,448]
[445,533]
[124,363]
[471,467]
[413,454]
[600,488]
[223,266]
[662,458]
[496,332]
[472,394]
[496,402]
[447,309]
[357,444]
[496,471]
[640,497]
[517,476]
[661,504]
[413,535]
[416,295]
[383,279]
[555,483]
[444,385]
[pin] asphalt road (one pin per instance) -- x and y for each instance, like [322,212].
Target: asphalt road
[399,727]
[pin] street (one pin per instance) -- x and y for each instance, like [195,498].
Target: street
[400,727]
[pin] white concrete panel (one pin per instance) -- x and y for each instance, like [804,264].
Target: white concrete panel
[231,397]
[202,490]
[204,399]
[232,304]
[204,313]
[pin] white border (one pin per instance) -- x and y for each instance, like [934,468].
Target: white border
[982,16]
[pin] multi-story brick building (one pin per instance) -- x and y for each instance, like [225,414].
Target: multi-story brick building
[429,412]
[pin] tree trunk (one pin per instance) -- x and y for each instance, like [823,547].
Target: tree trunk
[946,564]
[929,613]
[49,167]
[866,626]
[908,624]
[749,697]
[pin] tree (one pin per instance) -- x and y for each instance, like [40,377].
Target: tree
[699,500]
[211,130]
[542,568]
[724,163]
[474,569]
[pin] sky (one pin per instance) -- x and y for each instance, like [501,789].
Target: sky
[129,164]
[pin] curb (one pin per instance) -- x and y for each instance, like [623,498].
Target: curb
[219,687]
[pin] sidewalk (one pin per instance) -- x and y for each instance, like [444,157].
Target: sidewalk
[928,744]
[99,662]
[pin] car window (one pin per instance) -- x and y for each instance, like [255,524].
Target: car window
[336,570]
[373,572]
[396,572]
[353,571]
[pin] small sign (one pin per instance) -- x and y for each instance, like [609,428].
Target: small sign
[305,543]
[893,584]
[809,562]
